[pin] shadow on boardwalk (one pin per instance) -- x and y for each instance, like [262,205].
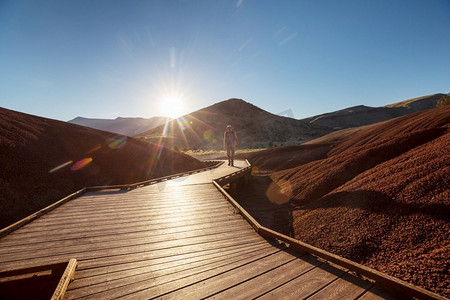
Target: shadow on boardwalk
[264,203]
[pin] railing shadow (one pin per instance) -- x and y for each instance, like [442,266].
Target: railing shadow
[263,200]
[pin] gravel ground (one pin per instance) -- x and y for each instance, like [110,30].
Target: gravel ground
[379,197]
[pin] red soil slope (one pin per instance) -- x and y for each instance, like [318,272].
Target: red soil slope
[32,149]
[381,197]
[281,158]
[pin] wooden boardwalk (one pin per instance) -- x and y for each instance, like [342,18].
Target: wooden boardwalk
[175,239]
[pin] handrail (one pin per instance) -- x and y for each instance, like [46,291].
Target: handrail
[64,271]
[214,164]
[387,280]
[66,277]
[233,176]
[7,230]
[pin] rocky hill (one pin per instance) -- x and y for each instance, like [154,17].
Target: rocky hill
[364,115]
[203,129]
[378,195]
[44,160]
[256,128]
[124,126]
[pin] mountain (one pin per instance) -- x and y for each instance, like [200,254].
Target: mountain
[44,160]
[125,126]
[378,195]
[255,128]
[364,115]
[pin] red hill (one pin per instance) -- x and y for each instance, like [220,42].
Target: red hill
[378,195]
[43,160]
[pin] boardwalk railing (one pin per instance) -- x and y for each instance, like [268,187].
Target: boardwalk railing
[234,176]
[399,286]
[37,281]
[7,230]
[388,281]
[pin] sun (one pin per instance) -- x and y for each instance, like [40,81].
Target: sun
[171,106]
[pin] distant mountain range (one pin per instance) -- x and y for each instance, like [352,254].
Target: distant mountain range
[363,115]
[125,126]
[256,128]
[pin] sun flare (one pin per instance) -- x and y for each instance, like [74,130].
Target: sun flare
[171,106]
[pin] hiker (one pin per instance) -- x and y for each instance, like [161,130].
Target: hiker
[230,143]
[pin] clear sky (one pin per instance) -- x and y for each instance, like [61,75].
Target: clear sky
[104,58]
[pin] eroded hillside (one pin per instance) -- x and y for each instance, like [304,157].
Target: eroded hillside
[379,195]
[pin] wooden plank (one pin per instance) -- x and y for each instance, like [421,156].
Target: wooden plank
[125,254]
[151,181]
[203,194]
[126,239]
[117,247]
[347,286]
[157,287]
[86,210]
[305,285]
[124,279]
[93,275]
[175,224]
[169,254]
[131,204]
[147,200]
[106,216]
[103,229]
[65,280]
[106,224]
[125,222]
[259,285]
[113,209]
[223,281]
[131,234]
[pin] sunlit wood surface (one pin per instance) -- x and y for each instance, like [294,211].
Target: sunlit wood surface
[176,239]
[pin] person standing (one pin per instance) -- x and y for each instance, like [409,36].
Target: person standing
[230,143]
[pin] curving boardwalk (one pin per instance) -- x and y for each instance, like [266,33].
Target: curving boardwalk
[176,239]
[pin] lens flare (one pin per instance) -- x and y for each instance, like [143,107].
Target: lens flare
[180,123]
[96,148]
[208,136]
[81,164]
[279,193]
[255,170]
[118,143]
[166,127]
[61,166]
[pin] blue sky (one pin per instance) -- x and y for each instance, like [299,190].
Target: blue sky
[104,58]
